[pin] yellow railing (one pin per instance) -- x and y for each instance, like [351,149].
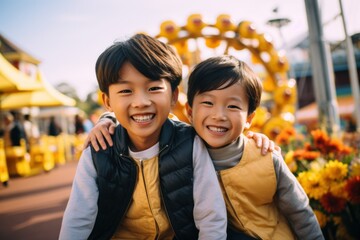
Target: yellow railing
[18,159]
[43,155]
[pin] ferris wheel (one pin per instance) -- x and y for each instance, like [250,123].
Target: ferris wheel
[197,40]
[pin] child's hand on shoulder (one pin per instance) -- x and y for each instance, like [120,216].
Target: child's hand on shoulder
[263,142]
[99,133]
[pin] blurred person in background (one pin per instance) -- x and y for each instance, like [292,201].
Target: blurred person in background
[14,130]
[54,128]
[79,124]
[8,124]
[31,129]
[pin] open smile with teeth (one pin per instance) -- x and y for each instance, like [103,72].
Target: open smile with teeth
[143,118]
[217,129]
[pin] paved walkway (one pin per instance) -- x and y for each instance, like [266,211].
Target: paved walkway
[32,207]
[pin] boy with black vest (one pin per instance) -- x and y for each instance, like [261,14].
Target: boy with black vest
[158,182]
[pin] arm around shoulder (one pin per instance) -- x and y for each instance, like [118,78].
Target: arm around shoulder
[108,115]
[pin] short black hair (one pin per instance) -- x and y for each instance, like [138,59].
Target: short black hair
[151,57]
[220,72]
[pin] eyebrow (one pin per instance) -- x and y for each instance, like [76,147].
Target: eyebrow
[229,98]
[124,81]
[236,99]
[120,80]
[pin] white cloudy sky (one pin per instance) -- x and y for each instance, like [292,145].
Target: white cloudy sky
[68,35]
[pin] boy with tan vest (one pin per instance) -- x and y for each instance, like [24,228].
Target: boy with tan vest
[263,198]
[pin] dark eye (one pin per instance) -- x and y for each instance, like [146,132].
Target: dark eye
[234,107]
[207,103]
[155,88]
[125,91]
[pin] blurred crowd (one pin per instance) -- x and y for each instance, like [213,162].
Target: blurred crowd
[32,143]
[16,125]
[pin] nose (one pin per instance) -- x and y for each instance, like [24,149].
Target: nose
[218,113]
[141,100]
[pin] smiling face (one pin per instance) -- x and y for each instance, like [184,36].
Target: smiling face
[220,116]
[141,105]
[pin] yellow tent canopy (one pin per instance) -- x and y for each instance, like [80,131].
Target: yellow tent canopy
[46,96]
[14,53]
[12,80]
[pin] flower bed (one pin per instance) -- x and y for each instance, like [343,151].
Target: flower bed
[329,171]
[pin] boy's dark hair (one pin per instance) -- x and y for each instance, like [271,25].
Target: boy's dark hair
[218,73]
[151,57]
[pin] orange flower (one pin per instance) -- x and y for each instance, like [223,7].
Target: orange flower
[309,147]
[332,204]
[329,147]
[301,154]
[282,138]
[285,136]
[290,131]
[346,150]
[320,138]
[336,147]
[333,145]
[352,187]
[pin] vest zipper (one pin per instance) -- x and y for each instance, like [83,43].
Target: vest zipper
[165,147]
[127,208]
[147,197]
[142,172]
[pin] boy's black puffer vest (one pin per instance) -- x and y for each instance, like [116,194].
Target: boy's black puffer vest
[117,174]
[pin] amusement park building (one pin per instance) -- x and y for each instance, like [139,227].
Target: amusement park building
[302,72]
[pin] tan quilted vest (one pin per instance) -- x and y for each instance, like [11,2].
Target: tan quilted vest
[249,189]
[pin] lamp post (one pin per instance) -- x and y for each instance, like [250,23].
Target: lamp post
[322,71]
[279,23]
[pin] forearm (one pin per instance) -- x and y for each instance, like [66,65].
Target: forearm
[81,210]
[209,210]
[294,204]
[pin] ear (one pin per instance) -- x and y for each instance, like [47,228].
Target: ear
[189,111]
[106,101]
[175,96]
[249,120]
